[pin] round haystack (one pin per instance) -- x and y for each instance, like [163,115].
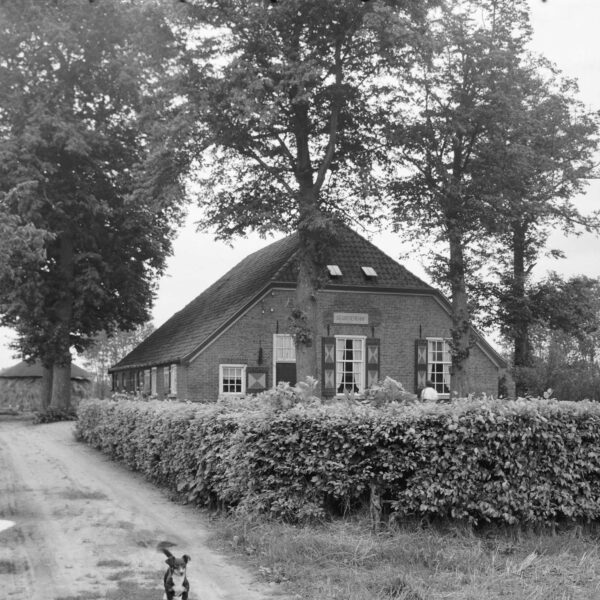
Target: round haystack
[21,386]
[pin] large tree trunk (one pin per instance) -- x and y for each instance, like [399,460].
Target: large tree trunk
[461,323]
[61,386]
[520,315]
[46,386]
[304,318]
[63,313]
[305,312]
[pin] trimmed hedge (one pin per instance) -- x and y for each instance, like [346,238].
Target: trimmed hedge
[526,461]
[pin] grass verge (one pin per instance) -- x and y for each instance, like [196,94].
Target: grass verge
[344,560]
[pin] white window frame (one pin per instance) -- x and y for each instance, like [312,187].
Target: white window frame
[446,362]
[173,380]
[221,380]
[338,372]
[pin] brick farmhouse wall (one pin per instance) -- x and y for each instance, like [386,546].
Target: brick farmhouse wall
[396,319]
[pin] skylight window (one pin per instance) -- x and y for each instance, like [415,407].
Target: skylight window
[334,271]
[369,272]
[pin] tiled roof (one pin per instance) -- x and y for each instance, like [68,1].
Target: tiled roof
[26,369]
[350,251]
[187,330]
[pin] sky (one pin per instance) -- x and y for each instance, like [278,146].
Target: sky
[565,31]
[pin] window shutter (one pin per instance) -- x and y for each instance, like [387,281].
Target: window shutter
[173,389]
[256,379]
[420,364]
[328,366]
[373,361]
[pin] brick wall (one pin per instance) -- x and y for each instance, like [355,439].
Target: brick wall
[397,320]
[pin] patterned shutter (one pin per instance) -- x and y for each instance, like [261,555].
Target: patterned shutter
[256,379]
[373,361]
[328,366]
[420,364]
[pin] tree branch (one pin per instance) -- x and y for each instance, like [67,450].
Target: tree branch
[252,154]
[333,122]
[287,152]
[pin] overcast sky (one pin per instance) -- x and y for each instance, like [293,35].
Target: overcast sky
[565,31]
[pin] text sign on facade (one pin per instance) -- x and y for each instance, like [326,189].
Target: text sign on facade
[351,318]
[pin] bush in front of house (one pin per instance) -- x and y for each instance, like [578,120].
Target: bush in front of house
[54,415]
[525,461]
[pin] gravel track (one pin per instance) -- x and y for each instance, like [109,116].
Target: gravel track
[87,528]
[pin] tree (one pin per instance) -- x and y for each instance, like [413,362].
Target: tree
[107,350]
[461,85]
[20,242]
[571,306]
[286,101]
[83,99]
[565,339]
[542,156]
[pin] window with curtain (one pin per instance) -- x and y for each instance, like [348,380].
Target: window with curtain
[350,364]
[438,364]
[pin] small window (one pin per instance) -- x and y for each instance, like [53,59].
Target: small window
[334,271]
[369,272]
[232,380]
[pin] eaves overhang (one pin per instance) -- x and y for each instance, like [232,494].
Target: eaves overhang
[144,365]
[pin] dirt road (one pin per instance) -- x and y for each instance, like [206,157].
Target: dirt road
[86,528]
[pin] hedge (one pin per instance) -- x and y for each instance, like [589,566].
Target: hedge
[524,461]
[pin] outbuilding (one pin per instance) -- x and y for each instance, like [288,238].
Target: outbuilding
[21,386]
[376,319]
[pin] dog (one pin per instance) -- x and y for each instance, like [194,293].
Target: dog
[177,586]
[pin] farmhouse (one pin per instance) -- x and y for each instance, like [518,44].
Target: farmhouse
[376,319]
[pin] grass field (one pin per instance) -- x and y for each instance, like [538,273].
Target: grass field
[344,560]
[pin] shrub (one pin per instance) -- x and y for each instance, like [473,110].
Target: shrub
[527,461]
[53,415]
[387,391]
[285,396]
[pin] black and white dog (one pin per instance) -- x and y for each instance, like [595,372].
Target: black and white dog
[177,586]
